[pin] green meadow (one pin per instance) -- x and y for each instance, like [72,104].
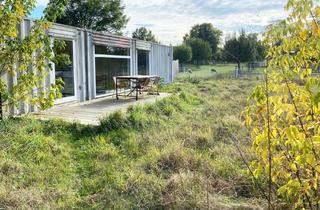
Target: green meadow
[179,153]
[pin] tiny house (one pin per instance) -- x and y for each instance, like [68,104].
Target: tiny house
[95,58]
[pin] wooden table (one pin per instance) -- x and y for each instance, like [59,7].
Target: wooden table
[135,79]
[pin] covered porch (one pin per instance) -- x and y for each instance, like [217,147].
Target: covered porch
[89,113]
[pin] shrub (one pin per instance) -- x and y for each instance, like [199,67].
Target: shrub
[138,117]
[114,121]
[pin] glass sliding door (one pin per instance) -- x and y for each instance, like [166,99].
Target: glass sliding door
[110,62]
[106,69]
[143,62]
[64,70]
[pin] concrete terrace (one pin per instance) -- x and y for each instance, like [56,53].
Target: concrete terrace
[89,113]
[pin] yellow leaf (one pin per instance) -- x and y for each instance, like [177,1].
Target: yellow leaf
[304,35]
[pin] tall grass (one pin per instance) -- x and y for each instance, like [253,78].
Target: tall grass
[174,154]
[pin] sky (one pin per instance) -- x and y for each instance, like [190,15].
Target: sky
[170,20]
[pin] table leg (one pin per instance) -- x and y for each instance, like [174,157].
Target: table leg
[117,96]
[137,94]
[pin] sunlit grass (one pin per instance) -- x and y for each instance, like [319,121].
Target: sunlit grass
[175,154]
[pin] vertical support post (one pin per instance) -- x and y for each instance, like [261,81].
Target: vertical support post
[237,71]
[117,95]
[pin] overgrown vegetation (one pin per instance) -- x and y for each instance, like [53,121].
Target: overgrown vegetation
[176,154]
[33,53]
[284,114]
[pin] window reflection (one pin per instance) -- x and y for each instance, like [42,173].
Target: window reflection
[107,50]
[106,69]
[143,62]
[64,66]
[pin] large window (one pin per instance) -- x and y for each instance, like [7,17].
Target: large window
[110,62]
[106,50]
[64,66]
[143,62]
[106,69]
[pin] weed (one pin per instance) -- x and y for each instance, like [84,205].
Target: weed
[174,154]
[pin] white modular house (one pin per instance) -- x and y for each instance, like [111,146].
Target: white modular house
[96,58]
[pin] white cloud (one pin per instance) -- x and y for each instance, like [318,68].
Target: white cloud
[42,2]
[171,19]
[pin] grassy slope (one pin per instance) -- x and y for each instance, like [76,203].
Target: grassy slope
[176,154]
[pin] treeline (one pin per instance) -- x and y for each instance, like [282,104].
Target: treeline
[203,45]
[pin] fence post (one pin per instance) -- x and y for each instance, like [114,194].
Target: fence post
[237,72]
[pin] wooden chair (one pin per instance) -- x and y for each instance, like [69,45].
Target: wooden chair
[157,84]
[151,86]
[144,85]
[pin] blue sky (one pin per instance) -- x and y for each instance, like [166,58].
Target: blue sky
[171,19]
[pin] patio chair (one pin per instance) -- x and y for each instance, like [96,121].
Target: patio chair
[144,85]
[153,86]
[120,84]
[138,85]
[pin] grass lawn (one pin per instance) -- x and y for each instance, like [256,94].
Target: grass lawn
[175,154]
[205,71]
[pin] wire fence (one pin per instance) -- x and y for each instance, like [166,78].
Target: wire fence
[221,71]
[248,72]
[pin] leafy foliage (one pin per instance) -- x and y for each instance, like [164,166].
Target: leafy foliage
[206,32]
[61,58]
[201,51]
[284,114]
[245,48]
[99,15]
[27,59]
[144,34]
[183,53]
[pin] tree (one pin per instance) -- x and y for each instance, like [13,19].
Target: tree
[245,48]
[284,112]
[207,33]
[201,51]
[99,15]
[183,53]
[27,59]
[144,34]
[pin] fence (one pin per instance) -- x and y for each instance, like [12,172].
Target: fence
[248,72]
[175,68]
[244,71]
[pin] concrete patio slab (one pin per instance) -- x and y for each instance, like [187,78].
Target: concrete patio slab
[90,112]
